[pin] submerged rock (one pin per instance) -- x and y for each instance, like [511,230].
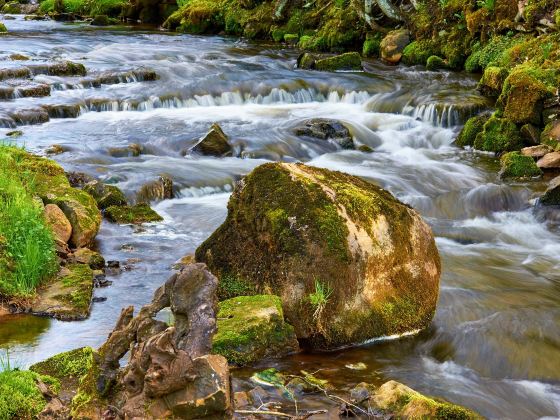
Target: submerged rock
[137,214]
[324,129]
[552,195]
[349,261]
[401,401]
[105,195]
[517,165]
[393,44]
[252,328]
[346,61]
[162,189]
[214,143]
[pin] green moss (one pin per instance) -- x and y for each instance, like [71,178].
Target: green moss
[85,7]
[346,61]
[418,52]
[105,195]
[291,38]
[515,165]
[73,364]
[20,397]
[3,28]
[372,45]
[492,81]
[551,135]
[435,63]
[278,34]
[472,128]
[251,328]
[80,280]
[137,214]
[231,285]
[498,135]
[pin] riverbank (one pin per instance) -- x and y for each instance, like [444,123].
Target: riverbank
[412,157]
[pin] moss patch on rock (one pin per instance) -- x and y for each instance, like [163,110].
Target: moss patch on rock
[498,135]
[516,165]
[137,214]
[72,364]
[472,128]
[252,328]
[347,61]
[105,195]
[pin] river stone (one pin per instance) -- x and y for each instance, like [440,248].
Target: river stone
[214,143]
[552,195]
[86,256]
[551,134]
[536,151]
[252,328]
[105,195]
[404,402]
[58,222]
[324,129]
[393,44]
[137,214]
[349,261]
[346,61]
[549,161]
[161,189]
[516,165]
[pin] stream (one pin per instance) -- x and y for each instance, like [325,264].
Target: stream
[494,345]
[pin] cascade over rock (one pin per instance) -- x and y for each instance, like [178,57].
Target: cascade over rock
[349,261]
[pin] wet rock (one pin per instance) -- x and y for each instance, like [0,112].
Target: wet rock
[162,189]
[64,17]
[252,328]
[15,73]
[471,129]
[3,29]
[113,264]
[552,195]
[498,135]
[86,256]
[549,161]
[99,299]
[18,57]
[100,20]
[57,221]
[536,151]
[55,149]
[34,90]
[530,134]
[14,134]
[132,150]
[517,165]
[304,233]
[346,61]
[365,148]
[393,44]
[68,297]
[78,179]
[435,63]
[137,214]
[306,61]
[324,129]
[362,392]
[29,116]
[403,402]
[62,110]
[36,17]
[63,68]
[214,143]
[105,195]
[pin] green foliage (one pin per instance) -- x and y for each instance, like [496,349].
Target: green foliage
[231,286]
[499,135]
[86,7]
[486,4]
[20,397]
[435,63]
[372,45]
[27,250]
[73,363]
[320,298]
[472,127]
[418,52]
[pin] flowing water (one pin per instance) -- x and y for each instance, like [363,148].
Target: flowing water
[494,344]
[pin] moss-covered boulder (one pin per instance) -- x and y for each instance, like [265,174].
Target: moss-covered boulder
[137,214]
[492,81]
[69,365]
[100,20]
[551,196]
[86,256]
[306,61]
[52,186]
[418,52]
[348,260]
[346,61]
[435,63]
[471,129]
[160,189]
[105,195]
[393,44]
[68,296]
[404,402]
[214,143]
[3,28]
[252,328]
[516,165]
[498,135]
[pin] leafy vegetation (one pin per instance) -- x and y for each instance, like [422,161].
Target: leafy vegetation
[85,7]
[320,298]
[27,252]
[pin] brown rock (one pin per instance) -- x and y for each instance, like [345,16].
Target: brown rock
[531,134]
[536,151]
[60,225]
[552,195]
[549,161]
[162,189]
[214,143]
[86,256]
[393,45]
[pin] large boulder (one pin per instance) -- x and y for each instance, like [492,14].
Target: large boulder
[251,328]
[349,261]
[550,161]
[393,44]
[517,165]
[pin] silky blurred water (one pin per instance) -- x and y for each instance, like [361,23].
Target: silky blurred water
[494,344]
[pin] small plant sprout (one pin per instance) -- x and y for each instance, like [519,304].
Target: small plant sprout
[320,298]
